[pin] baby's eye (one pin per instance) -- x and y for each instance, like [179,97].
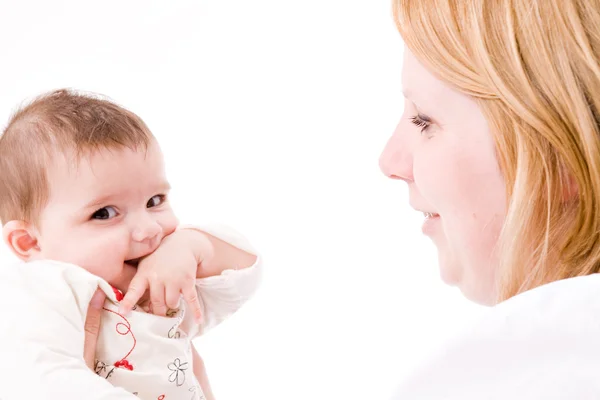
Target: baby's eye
[105,213]
[156,201]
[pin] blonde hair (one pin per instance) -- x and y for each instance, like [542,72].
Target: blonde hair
[534,69]
[59,121]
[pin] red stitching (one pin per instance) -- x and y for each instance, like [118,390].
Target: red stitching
[118,294]
[123,362]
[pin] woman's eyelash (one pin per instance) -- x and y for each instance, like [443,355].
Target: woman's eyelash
[421,121]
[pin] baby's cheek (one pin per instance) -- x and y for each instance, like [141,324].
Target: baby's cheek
[104,257]
[169,223]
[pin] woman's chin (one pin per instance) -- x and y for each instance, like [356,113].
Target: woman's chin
[449,271]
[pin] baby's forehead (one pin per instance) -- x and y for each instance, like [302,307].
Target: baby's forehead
[107,171]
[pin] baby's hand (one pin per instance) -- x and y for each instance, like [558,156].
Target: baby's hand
[170,272]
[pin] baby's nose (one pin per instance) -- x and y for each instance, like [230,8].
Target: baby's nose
[147,231]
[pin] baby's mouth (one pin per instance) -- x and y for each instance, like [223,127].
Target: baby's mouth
[133,262]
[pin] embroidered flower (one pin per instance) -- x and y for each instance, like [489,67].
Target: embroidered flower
[197,393]
[178,374]
[118,294]
[102,369]
[99,367]
[172,312]
[174,332]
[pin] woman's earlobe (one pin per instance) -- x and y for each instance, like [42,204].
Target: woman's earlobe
[21,238]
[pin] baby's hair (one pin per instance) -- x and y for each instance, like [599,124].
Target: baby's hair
[58,122]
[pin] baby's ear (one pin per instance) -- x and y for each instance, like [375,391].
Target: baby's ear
[21,238]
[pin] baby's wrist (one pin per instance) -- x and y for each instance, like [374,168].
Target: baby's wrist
[216,255]
[195,240]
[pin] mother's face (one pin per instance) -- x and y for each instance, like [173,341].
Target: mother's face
[443,149]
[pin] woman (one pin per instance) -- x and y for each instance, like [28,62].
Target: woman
[500,146]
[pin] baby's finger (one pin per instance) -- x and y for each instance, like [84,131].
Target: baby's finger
[136,290]
[190,295]
[172,296]
[157,298]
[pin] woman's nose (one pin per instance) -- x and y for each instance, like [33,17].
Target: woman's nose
[396,160]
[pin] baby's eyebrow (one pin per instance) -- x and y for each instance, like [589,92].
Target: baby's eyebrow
[98,201]
[164,186]
[103,200]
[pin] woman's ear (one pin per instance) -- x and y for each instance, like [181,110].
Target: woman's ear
[21,238]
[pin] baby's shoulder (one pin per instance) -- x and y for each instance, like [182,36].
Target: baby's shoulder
[46,283]
[42,274]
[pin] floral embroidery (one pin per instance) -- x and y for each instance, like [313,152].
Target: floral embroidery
[178,374]
[124,364]
[172,312]
[174,332]
[124,329]
[102,369]
[197,393]
[118,294]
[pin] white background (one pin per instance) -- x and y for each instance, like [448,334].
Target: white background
[272,115]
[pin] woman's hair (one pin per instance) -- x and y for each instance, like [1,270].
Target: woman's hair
[534,69]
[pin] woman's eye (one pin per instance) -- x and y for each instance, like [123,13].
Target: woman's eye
[421,121]
[156,201]
[105,213]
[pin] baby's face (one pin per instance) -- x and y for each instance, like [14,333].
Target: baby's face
[108,209]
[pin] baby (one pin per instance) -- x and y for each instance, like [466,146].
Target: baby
[84,202]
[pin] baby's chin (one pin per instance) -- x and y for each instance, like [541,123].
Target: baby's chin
[122,280]
[118,276]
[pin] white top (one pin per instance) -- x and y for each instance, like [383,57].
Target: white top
[41,339]
[541,344]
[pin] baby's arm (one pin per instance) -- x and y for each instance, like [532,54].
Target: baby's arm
[41,343]
[224,288]
[213,268]
[225,255]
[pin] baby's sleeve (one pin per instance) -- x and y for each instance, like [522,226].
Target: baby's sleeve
[222,295]
[42,335]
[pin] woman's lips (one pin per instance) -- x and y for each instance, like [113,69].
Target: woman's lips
[430,223]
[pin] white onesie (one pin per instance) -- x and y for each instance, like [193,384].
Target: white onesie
[139,356]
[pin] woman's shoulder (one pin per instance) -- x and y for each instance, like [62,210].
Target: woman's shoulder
[540,344]
[570,299]
[578,287]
